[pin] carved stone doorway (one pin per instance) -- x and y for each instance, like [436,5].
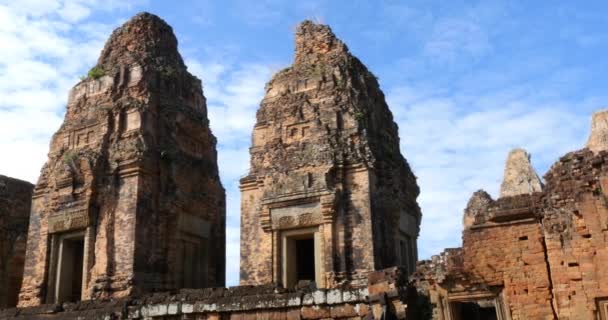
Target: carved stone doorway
[194,258]
[301,256]
[602,304]
[474,311]
[67,267]
[476,306]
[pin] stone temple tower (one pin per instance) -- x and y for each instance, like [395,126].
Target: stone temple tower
[328,197]
[130,199]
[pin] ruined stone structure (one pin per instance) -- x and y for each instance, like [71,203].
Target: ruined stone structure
[15,202]
[130,199]
[598,139]
[129,203]
[519,177]
[328,197]
[540,255]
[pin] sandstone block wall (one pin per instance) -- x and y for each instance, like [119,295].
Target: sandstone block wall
[385,297]
[15,204]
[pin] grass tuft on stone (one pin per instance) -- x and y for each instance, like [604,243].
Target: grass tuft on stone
[96,72]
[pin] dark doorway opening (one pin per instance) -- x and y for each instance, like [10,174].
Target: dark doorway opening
[69,269]
[474,311]
[305,259]
[78,248]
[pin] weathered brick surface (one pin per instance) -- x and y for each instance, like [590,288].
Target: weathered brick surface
[575,225]
[325,155]
[134,166]
[545,254]
[15,203]
[511,255]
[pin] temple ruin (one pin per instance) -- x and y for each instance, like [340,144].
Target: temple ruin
[127,220]
[329,197]
[130,199]
[15,202]
[537,252]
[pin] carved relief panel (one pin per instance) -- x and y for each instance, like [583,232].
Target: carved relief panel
[80,137]
[297,132]
[69,220]
[296,216]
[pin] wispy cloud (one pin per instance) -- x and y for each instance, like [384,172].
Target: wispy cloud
[454,37]
[45,46]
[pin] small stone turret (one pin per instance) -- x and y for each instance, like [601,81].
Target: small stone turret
[476,209]
[598,139]
[519,177]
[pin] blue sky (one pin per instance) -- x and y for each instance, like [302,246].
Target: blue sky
[466,80]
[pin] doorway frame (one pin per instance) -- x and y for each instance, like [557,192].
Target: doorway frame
[54,275]
[502,312]
[288,238]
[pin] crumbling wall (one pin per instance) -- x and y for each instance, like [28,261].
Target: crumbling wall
[511,255]
[546,252]
[575,225]
[15,203]
[385,297]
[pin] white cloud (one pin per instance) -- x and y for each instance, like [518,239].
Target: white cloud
[46,45]
[452,38]
[233,95]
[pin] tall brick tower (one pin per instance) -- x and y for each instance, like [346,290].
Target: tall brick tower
[130,198]
[329,197]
